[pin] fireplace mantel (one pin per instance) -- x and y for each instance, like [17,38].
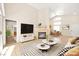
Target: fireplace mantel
[42,29]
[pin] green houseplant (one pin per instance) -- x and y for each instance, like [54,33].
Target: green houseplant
[8,33]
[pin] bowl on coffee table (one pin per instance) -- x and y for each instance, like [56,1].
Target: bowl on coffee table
[43,47]
[50,42]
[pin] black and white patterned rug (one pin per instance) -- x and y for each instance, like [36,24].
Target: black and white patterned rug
[32,50]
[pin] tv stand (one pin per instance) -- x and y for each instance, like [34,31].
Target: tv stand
[27,37]
[24,35]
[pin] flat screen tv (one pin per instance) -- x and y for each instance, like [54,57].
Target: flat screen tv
[26,28]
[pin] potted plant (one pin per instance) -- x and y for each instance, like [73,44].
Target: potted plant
[8,33]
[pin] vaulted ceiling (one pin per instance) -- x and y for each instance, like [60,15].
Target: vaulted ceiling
[59,8]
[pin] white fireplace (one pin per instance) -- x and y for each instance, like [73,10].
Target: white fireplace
[41,33]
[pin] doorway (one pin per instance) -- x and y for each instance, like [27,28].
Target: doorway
[10,32]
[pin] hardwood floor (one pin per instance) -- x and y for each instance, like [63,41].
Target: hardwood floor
[10,40]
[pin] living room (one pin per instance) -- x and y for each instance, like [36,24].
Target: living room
[47,21]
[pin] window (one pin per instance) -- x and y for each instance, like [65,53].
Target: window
[57,23]
[57,19]
[57,28]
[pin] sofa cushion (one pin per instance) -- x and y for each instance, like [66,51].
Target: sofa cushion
[73,52]
[64,50]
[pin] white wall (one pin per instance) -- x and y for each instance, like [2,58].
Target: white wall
[22,13]
[43,16]
[72,21]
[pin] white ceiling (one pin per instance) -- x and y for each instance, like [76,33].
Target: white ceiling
[59,8]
